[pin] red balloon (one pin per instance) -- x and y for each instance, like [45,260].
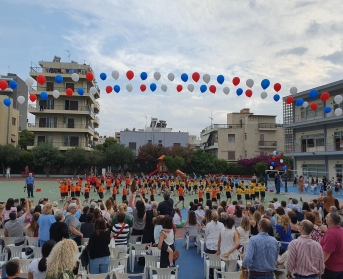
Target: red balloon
[314,106]
[130,75]
[33,97]
[213,89]
[89,76]
[325,96]
[279,155]
[69,92]
[196,76]
[108,89]
[3,84]
[277,87]
[248,93]
[179,88]
[41,79]
[236,81]
[289,100]
[142,87]
[273,157]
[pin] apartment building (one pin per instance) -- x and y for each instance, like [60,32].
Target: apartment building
[245,135]
[314,138]
[65,121]
[9,122]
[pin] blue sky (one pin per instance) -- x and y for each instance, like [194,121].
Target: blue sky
[295,43]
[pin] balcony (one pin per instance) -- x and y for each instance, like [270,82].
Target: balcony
[267,144]
[96,136]
[58,70]
[96,122]
[213,146]
[67,145]
[268,126]
[60,128]
[313,119]
[221,126]
[63,109]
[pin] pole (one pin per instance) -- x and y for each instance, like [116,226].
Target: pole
[266,179]
[285,177]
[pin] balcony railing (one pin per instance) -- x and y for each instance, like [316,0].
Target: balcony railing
[67,144]
[55,70]
[269,125]
[96,133]
[59,125]
[62,107]
[324,147]
[267,143]
[222,126]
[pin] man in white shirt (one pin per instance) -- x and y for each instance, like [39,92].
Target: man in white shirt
[276,203]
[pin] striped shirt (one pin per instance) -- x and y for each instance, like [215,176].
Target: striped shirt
[305,257]
[122,238]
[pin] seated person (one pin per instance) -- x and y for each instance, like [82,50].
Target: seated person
[13,269]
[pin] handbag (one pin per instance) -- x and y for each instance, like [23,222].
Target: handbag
[84,258]
[113,242]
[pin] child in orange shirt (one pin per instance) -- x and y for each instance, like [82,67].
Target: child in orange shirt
[72,190]
[124,198]
[87,190]
[114,192]
[200,193]
[181,196]
[101,191]
[78,190]
[214,194]
[143,192]
[108,185]
[152,194]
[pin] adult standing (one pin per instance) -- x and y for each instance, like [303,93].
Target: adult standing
[30,184]
[59,229]
[166,207]
[328,201]
[301,184]
[8,173]
[46,219]
[73,224]
[9,207]
[120,232]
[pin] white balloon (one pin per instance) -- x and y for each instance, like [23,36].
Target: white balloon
[75,77]
[157,75]
[29,81]
[305,104]
[115,74]
[171,76]
[129,87]
[226,90]
[92,90]
[338,99]
[164,87]
[264,95]
[190,87]
[21,99]
[293,90]
[250,83]
[338,111]
[56,93]
[281,161]
[274,152]
[271,167]
[206,78]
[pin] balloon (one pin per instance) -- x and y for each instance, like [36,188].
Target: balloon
[305,104]
[130,75]
[226,90]
[33,97]
[184,77]
[13,84]
[144,75]
[89,76]
[276,152]
[103,76]
[248,93]
[213,89]
[157,75]
[236,81]
[58,79]
[239,91]
[276,97]
[250,83]
[299,102]
[265,83]
[293,90]
[338,111]
[327,109]
[7,102]
[190,87]
[115,74]
[75,77]
[272,163]
[196,76]
[284,168]
[324,96]
[153,87]
[273,157]
[56,94]
[171,76]
[313,106]
[69,92]
[281,161]
[206,78]
[203,88]
[41,79]
[289,100]
[129,87]
[313,93]
[92,90]
[116,88]
[80,91]
[264,95]
[279,155]
[277,87]
[338,99]
[3,84]
[179,88]
[164,87]
[29,81]
[220,79]
[143,87]
[44,96]
[21,99]
[271,167]
[108,89]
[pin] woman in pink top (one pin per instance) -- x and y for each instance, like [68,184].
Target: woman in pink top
[8,209]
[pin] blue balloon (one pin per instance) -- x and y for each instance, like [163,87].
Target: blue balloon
[284,167]
[58,79]
[184,77]
[144,75]
[313,93]
[220,79]
[265,83]
[327,109]
[203,88]
[272,163]
[116,88]
[80,91]
[153,87]
[276,152]
[276,97]
[7,102]
[239,91]
[103,76]
[13,84]
[299,102]
[44,95]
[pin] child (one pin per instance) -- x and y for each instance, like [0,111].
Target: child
[152,194]
[228,193]
[114,192]
[78,190]
[252,193]
[87,190]
[143,192]
[108,185]
[181,197]
[101,191]
[208,195]
[72,190]
[214,194]
[262,191]
[166,232]
[239,192]
[247,193]
[172,187]
[124,198]
[218,194]
[200,193]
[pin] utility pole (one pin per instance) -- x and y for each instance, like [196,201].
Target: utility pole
[210,117]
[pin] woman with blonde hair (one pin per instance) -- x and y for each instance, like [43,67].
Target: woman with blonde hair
[328,200]
[255,219]
[285,231]
[32,228]
[243,232]
[62,260]
[46,219]
[122,208]
[260,209]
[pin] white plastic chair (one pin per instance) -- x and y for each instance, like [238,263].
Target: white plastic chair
[9,240]
[23,275]
[117,265]
[150,261]
[3,259]
[84,240]
[83,270]
[31,241]
[212,261]
[37,252]
[24,265]
[164,273]
[226,275]
[136,251]
[128,276]
[98,276]
[190,232]
[155,251]
[135,239]
[16,251]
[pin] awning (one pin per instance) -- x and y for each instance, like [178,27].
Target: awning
[204,138]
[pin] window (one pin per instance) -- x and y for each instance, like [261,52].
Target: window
[149,141]
[314,170]
[177,144]
[231,155]
[14,121]
[231,137]
[70,85]
[160,143]
[40,139]
[338,169]
[132,145]
[49,86]
[71,141]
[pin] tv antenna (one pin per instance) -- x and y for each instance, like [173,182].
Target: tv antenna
[210,117]
[68,55]
[9,68]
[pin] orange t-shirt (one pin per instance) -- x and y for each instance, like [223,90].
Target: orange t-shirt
[180,190]
[114,191]
[97,183]
[87,189]
[65,188]
[101,189]
[61,188]
[68,183]
[108,182]
[80,181]
[200,194]
[78,188]
[117,182]
[72,188]
[127,181]
[143,191]
[124,192]
[214,193]
[152,192]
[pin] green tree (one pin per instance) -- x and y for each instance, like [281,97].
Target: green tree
[108,142]
[148,155]
[202,163]
[8,155]
[26,138]
[220,166]
[260,168]
[45,155]
[95,158]
[173,163]
[75,158]
[119,155]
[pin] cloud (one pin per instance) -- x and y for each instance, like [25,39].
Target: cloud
[335,58]
[301,4]
[313,28]
[299,51]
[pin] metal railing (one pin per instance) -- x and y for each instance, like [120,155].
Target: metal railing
[96,134]
[62,107]
[269,125]
[59,125]
[66,144]
[328,147]
[54,70]
[222,126]
[267,143]
[318,115]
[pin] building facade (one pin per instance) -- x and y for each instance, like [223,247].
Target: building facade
[314,138]
[65,121]
[245,135]
[9,123]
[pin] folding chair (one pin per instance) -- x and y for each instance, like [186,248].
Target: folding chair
[190,233]
[118,275]
[164,273]
[212,261]
[31,241]
[136,251]
[150,261]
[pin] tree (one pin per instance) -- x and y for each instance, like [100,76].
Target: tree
[108,142]
[173,163]
[8,155]
[202,163]
[260,168]
[148,155]
[220,166]
[45,155]
[94,158]
[119,155]
[26,138]
[75,158]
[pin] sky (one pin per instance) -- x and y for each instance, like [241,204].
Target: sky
[294,43]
